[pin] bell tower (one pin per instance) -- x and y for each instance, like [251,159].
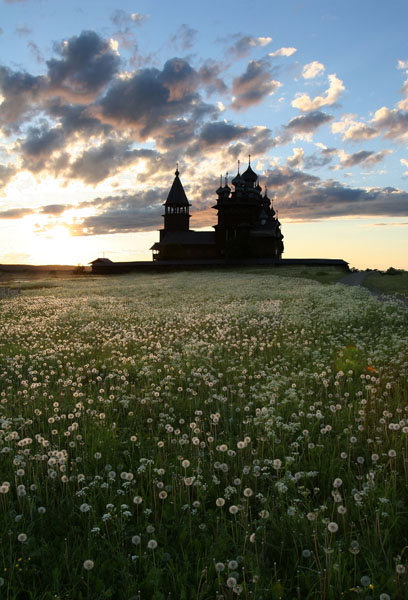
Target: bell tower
[176,208]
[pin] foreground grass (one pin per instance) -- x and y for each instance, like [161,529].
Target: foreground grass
[389,283]
[203,435]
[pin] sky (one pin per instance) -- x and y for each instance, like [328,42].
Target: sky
[100,100]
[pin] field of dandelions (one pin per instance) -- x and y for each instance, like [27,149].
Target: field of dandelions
[203,436]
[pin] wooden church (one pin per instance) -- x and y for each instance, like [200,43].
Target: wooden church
[247,226]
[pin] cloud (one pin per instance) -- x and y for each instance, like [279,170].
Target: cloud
[88,63]
[39,144]
[106,160]
[320,159]
[54,209]
[296,160]
[208,74]
[121,18]
[353,130]
[303,197]
[363,157]
[312,69]
[15,213]
[150,97]
[393,124]
[283,52]
[126,213]
[244,44]
[184,37]
[304,103]
[220,133]
[7,172]
[306,124]
[404,162]
[251,87]
[21,92]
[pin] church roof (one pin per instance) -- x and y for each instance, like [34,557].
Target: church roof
[177,195]
[181,238]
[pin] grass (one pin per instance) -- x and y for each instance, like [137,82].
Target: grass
[203,435]
[388,282]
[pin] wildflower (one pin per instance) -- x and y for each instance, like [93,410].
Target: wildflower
[400,569]
[233,509]
[231,582]
[365,580]
[152,544]
[22,537]
[136,539]
[332,527]
[137,499]
[85,507]
[232,565]
[88,565]
[219,567]
[163,495]
[337,482]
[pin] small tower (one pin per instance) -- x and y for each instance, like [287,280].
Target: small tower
[176,209]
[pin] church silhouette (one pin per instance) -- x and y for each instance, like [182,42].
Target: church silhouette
[247,226]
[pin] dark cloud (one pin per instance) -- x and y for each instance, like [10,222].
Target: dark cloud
[184,37]
[88,63]
[363,157]
[243,44]
[39,144]
[306,124]
[151,97]
[122,214]
[176,133]
[86,66]
[7,172]
[301,196]
[319,159]
[209,77]
[75,119]
[15,213]
[54,209]
[106,160]
[261,140]
[251,87]
[21,92]
[220,133]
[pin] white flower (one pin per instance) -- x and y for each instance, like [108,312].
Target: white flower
[88,565]
[136,539]
[332,527]
[152,544]
[22,537]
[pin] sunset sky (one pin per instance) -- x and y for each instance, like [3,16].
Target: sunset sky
[99,100]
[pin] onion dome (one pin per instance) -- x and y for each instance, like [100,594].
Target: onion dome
[249,176]
[238,181]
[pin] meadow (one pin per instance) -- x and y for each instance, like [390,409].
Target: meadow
[203,436]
